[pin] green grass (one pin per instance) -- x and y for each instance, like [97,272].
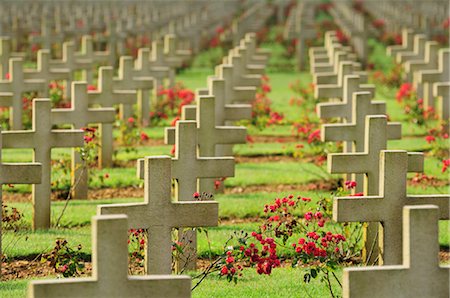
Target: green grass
[283,282]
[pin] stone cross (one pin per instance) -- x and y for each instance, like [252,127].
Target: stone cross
[157,59]
[6,54]
[388,204]
[42,139]
[240,75]
[344,91]
[108,96]
[20,173]
[233,93]
[45,72]
[224,111]
[442,92]
[171,51]
[345,68]
[145,68]
[367,162]
[159,215]
[209,134]
[429,61]
[354,131]
[418,274]
[187,168]
[17,85]
[406,46]
[80,116]
[428,77]
[418,51]
[110,270]
[127,78]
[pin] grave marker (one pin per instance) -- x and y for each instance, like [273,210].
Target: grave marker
[387,205]
[42,139]
[158,215]
[110,270]
[418,274]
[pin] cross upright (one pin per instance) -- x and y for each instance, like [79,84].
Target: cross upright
[6,54]
[428,77]
[17,85]
[42,139]
[442,92]
[418,274]
[128,78]
[234,93]
[343,109]
[20,173]
[45,72]
[388,204]
[107,95]
[159,215]
[187,169]
[157,59]
[110,270]
[80,115]
[144,67]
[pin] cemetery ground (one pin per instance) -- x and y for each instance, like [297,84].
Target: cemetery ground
[274,164]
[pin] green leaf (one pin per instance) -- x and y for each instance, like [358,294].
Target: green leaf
[307,277]
[313,273]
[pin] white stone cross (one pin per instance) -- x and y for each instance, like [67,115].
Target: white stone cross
[42,139]
[6,54]
[128,78]
[442,92]
[354,131]
[429,61]
[406,46]
[17,85]
[428,77]
[45,72]
[367,162]
[233,93]
[418,51]
[418,274]
[20,173]
[187,168]
[345,68]
[80,116]
[344,91]
[159,215]
[388,204]
[110,270]
[171,51]
[209,134]
[108,96]
[157,59]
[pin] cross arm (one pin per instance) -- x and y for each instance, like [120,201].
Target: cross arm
[169,135]
[63,138]
[250,80]
[20,173]
[236,112]
[189,112]
[325,79]
[243,94]
[336,132]
[206,167]
[255,69]
[328,91]
[347,162]
[135,212]
[364,209]
[442,201]
[194,214]
[231,135]
[18,139]
[428,76]
[326,110]
[394,131]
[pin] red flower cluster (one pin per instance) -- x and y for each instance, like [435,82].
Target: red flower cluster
[445,165]
[405,91]
[314,137]
[313,247]
[379,23]
[89,135]
[144,137]
[265,260]
[350,184]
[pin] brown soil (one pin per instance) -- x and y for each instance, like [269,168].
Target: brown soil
[20,269]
